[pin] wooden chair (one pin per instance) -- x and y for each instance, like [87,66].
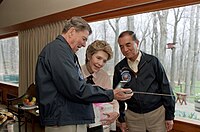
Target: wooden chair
[14,104]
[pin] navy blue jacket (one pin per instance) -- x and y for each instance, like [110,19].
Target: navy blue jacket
[63,95]
[151,77]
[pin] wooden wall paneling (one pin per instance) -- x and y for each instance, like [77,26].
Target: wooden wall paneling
[183,125]
[8,35]
[131,10]
[8,90]
[101,10]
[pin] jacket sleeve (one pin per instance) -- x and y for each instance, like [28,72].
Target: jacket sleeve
[116,80]
[58,67]
[168,101]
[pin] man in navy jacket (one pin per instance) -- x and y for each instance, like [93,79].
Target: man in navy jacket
[65,100]
[144,74]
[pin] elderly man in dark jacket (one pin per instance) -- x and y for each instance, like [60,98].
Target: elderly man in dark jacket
[152,106]
[65,100]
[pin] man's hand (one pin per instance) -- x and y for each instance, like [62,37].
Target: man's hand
[169,124]
[123,127]
[122,93]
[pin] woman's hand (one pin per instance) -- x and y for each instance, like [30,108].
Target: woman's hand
[110,118]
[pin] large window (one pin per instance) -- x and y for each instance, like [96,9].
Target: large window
[9,60]
[171,35]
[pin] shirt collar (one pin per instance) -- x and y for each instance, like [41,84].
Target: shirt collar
[86,72]
[137,59]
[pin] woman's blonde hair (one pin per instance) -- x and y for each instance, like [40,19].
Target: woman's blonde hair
[98,45]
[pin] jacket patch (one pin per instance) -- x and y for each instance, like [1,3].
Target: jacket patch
[126,76]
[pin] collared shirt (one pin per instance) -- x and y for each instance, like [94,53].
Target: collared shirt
[134,65]
[100,78]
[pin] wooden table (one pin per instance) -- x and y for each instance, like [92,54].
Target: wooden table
[181,97]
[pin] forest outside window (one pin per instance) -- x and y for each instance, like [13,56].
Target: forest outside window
[9,60]
[173,36]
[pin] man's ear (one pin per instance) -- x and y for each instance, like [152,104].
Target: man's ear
[71,31]
[137,42]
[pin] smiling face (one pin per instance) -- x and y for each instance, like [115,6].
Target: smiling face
[97,61]
[77,39]
[129,48]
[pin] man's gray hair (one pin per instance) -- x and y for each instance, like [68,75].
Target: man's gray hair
[78,23]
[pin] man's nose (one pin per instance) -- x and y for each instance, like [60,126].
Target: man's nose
[84,44]
[125,48]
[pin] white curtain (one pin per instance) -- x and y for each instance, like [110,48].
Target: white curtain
[31,42]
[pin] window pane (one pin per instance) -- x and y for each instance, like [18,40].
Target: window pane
[171,35]
[9,60]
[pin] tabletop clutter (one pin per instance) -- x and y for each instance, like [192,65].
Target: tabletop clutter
[7,121]
[29,100]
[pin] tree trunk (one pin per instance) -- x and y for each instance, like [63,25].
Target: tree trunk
[163,34]
[130,23]
[196,52]
[105,30]
[177,16]
[154,48]
[145,34]
[182,45]
[116,47]
[190,53]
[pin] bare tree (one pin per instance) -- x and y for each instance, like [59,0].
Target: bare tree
[177,18]
[130,23]
[145,33]
[105,30]
[182,42]
[196,52]
[162,16]
[115,28]
[154,36]
[190,52]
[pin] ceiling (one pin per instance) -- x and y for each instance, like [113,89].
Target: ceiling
[17,11]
